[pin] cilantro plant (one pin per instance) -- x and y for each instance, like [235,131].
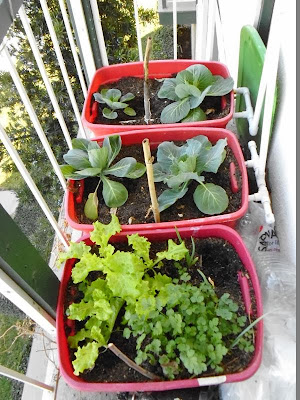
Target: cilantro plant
[115,101]
[188,91]
[176,325]
[88,159]
[177,166]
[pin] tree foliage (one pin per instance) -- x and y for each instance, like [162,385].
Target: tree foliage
[120,36]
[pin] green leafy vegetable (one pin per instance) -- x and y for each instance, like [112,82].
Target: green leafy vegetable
[178,166]
[175,323]
[88,159]
[115,101]
[188,91]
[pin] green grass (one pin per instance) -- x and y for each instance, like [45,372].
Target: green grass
[15,358]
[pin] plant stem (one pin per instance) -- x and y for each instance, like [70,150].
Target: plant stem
[131,363]
[146,82]
[149,168]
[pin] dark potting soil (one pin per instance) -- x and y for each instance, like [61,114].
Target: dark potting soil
[211,105]
[220,263]
[136,208]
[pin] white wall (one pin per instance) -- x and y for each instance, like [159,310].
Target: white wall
[282,156]
[234,15]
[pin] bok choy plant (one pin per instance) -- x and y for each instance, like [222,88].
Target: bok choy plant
[188,91]
[177,166]
[115,101]
[88,159]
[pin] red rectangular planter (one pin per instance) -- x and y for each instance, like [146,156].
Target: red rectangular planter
[156,136]
[217,231]
[157,69]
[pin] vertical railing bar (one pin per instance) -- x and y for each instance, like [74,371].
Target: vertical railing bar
[270,69]
[42,69]
[99,32]
[138,33]
[199,29]
[204,29]
[83,37]
[34,118]
[193,41]
[257,13]
[175,29]
[10,373]
[73,46]
[14,293]
[32,186]
[62,64]
[220,36]
[210,29]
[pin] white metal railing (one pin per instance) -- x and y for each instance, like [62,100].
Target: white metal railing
[203,37]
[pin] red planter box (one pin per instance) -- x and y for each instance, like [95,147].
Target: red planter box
[156,136]
[157,69]
[218,231]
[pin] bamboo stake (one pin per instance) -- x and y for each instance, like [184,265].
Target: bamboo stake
[149,167]
[146,83]
[131,363]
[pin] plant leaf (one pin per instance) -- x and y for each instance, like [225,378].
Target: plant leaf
[175,252]
[175,112]
[114,193]
[197,114]
[169,197]
[77,158]
[159,173]
[91,206]
[110,114]
[122,167]
[129,111]
[103,232]
[98,157]
[67,169]
[197,146]
[182,177]
[201,76]
[183,90]
[167,90]
[211,159]
[80,143]
[127,97]
[116,105]
[211,199]
[113,144]
[85,357]
[99,98]
[196,101]
[184,76]
[141,247]
[89,172]
[138,170]
[93,145]
[188,165]
[221,86]
[167,154]
[113,94]
[103,92]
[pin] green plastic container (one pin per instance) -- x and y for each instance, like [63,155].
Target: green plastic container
[251,61]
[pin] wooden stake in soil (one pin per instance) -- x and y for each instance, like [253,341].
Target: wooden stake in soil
[146,82]
[131,363]
[149,168]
